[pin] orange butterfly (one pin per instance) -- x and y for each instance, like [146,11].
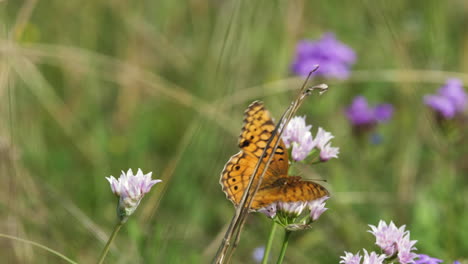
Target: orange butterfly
[276,185]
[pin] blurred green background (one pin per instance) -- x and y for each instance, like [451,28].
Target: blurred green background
[89,88]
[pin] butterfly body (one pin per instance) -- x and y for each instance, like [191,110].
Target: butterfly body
[276,185]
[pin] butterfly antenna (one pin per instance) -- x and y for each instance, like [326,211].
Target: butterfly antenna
[318,180]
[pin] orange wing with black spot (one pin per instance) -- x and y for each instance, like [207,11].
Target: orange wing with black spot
[276,185]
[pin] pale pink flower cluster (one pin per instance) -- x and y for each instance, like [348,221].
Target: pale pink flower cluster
[297,136]
[395,243]
[294,209]
[369,258]
[130,189]
[317,207]
[393,240]
[322,143]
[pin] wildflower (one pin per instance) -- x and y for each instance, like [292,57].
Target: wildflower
[322,143]
[350,258]
[383,112]
[298,136]
[450,99]
[292,209]
[295,131]
[292,216]
[334,57]
[130,189]
[373,258]
[387,236]
[425,259]
[300,151]
[269,211]
[440,104]
[405,248]
[394,241]
[359,113]
[258,253]
[317,207]
[369,258]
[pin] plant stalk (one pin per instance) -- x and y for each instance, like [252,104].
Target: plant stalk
[271,236]
[287,234]
[109,242]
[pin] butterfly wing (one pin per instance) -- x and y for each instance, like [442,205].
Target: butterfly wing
[256,131]
[290,189]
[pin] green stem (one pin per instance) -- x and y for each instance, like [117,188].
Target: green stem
[287,234]
[39,246]
[109,242]
[271,236]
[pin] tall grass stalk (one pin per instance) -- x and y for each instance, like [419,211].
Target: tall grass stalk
[39,246]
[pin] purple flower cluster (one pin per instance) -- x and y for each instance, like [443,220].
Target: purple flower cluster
[334,57]
[450,100]
[394,243]
[359,113]
[369,258]
[297,136]
[425,259]
[294,209]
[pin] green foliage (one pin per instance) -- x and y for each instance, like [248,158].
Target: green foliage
[89,88]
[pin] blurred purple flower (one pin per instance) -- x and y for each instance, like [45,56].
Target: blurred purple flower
[440,104]
[425,259]
[383,112]
[453,90]
[334,57]
[450,99]
[258,253]
[359,113]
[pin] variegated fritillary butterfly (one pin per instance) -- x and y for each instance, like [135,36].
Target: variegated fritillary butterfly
[276,185]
